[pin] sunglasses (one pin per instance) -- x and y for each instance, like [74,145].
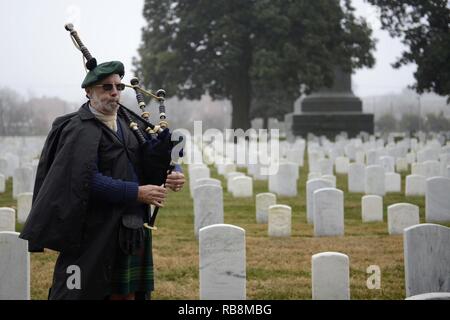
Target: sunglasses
[109,86]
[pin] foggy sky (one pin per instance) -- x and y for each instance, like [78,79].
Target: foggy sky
[38,58]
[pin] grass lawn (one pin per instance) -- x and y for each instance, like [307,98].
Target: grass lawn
[277,268]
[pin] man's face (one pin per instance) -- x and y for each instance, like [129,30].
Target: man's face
[105,101]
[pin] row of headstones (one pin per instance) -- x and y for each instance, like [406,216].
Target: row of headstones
[370,179]
[283,182]
[244,156]
[208,209]
[23,180]
[355,149]
[291,152]
[341,165]
[325,166]
[11,162]
[435,157]
[222,265]
[325,208]
[374,180]
[328,217]
[436,191]
[371,153]
[239,185]
[8,215]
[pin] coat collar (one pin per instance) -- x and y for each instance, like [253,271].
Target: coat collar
[85,113]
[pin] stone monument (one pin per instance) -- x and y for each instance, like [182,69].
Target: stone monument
[330,111]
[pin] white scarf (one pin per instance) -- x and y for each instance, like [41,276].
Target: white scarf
[109,120]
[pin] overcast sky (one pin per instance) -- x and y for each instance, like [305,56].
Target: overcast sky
[38,58]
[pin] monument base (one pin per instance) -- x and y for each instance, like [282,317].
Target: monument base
[331,124]
[332,102]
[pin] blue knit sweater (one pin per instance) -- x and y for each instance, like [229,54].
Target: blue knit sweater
[116,190]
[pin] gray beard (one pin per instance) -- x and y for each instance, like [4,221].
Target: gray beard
[109,107]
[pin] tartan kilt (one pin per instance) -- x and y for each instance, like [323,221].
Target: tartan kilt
[133,273]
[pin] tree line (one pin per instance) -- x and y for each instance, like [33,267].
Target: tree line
[412,123]
[29,117]
[262,55]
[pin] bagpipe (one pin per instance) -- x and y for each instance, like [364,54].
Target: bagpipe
[155,141]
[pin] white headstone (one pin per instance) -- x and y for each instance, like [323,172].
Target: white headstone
[356,174]
[388,163]
[444,161]
[229,167]
[2,183]
[326,166]
[24,201]
[311,186]
[431,296]
[330,178]
[372,157]
[242,187]
[263,202]
[372,208]
[330,276]
[193,166]
[437,200]
[418,169]
[432,168]
[401,216]
[230,177]
[295,155]
[7,219]
[195,174]
[415,185]
[280,217]
[342,164]
[402,165]
[313,161]
[392,182]
[22,181]
[360,157]
[14,267]
[314,175]
[374,180]
[328,212]
[427,259]
[350,151]
[13,163]
[222,263]
[428,153]
[208,206]
[4,167]
[284,182]
[203,181]
[411,157]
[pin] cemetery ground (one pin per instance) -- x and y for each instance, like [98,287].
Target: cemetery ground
[277,268]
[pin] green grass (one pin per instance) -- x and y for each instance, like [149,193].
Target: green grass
[277,268]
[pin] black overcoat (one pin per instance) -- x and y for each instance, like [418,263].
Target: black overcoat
[64,218]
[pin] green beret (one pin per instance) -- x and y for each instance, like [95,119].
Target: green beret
[102,71]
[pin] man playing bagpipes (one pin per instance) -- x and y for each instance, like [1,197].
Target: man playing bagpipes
[96,178]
